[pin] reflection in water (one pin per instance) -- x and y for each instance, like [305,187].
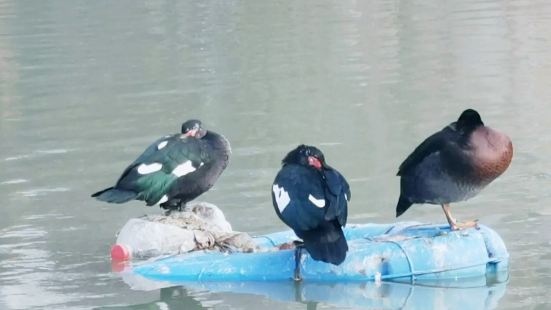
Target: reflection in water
[472,294]
[175,297]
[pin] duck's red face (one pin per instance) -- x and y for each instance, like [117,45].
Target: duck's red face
[195,132]
[191,132]
[314,162]
[193,128]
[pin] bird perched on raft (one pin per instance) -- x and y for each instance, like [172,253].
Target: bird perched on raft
[453,165]
[173,170]
[312,198]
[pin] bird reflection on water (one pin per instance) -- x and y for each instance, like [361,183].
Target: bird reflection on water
[475,293]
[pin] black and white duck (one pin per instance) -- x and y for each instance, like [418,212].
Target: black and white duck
[312,198]
[173,170]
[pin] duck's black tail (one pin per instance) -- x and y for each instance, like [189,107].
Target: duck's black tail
[326,243]
[402,206]
[114,195]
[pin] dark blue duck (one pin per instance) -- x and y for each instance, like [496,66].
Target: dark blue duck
[453,165]
[312,198]
[173,170]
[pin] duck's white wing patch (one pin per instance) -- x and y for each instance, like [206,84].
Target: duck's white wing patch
[162,145]
[163,199]
[147,169]
[183,169]
[320,203]
[281,197]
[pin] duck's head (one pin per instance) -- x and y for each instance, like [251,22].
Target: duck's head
[468,121]
[193,128]
[306,155]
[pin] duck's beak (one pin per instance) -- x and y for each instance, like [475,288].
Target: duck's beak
[314,162]
[191,133]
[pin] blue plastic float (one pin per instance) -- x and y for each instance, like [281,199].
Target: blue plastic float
[408,252]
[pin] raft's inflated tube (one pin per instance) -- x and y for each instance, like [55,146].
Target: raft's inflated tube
[399,252]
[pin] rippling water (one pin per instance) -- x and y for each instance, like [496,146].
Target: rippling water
[86,85]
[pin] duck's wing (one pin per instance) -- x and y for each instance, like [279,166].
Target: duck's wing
[338,194]
[433,144]
[164,161]
[153,148]
[298,196]
[173,151]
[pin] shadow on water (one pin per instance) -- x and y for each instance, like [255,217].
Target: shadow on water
[475,293]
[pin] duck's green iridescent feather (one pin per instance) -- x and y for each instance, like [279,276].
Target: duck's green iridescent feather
[152,186]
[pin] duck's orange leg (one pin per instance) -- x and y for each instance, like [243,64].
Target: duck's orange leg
[454,225]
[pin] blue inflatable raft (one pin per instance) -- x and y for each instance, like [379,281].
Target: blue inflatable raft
[407,252]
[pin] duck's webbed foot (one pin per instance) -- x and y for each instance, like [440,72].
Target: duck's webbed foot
[181,205]
[454,225]
[172,205]
[286,246]
[465,225]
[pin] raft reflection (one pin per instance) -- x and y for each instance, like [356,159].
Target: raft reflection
[476,293]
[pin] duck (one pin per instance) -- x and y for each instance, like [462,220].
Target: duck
[453,165]
[312,199]
[173,170]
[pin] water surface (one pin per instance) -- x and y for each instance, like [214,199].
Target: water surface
[86,85]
